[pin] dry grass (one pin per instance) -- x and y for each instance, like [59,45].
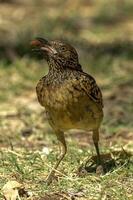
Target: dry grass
[106,52]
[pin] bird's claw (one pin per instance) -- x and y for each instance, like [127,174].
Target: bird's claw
[99,170]
[50,178]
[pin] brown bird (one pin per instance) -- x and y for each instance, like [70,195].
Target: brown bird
[71,97]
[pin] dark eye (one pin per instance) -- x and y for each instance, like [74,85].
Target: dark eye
[63,48]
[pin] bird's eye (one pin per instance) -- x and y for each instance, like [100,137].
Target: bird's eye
[63,48]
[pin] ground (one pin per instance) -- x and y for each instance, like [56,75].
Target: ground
[28,146]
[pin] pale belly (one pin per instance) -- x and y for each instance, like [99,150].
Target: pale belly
[66,112]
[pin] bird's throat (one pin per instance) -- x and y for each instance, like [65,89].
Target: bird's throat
[55,67]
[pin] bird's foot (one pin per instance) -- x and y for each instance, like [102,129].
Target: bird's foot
[50,178]
[100,169]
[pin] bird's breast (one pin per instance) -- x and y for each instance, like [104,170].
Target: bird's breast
[59,97]
[66,106]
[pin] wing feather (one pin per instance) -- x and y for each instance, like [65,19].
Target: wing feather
[88,84]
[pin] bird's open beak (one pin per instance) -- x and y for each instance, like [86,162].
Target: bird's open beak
[40,44]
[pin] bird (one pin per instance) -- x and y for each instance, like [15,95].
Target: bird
[71,97]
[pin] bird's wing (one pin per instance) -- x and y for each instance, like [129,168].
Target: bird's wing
[88,84]
[39,90]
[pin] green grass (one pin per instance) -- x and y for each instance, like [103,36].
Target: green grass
[31,168]
[24,132]
[105,51]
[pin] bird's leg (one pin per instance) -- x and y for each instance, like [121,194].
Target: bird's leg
[96,140]
[63,147]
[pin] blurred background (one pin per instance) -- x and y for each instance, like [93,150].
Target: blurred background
[102,33]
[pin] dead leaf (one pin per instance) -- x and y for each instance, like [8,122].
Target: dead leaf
[11,190]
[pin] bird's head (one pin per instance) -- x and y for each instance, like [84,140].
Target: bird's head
[61,53]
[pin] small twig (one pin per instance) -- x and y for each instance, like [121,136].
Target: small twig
[13,152]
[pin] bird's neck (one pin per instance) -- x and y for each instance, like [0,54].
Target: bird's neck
[57,68]
[54,68]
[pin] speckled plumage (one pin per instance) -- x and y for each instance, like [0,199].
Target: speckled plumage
[72,100]
[70,96]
